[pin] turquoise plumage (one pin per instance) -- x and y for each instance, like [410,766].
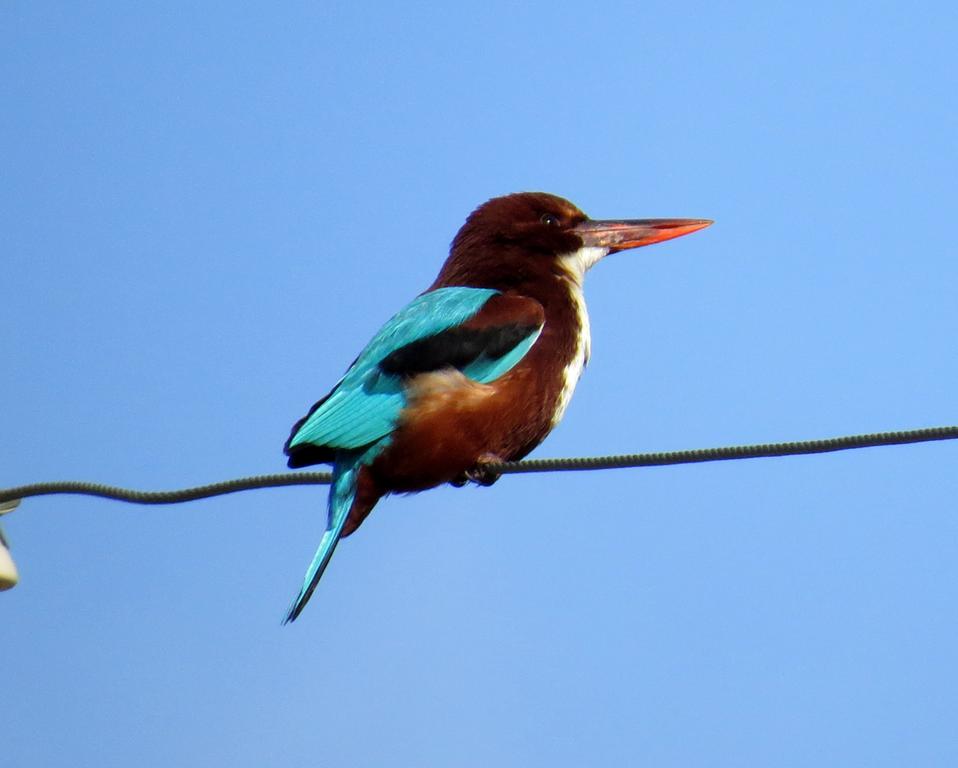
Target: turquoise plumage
[341,495]
[356,419]
[476,371]
[364,405]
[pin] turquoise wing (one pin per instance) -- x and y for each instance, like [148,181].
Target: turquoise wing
[366,403]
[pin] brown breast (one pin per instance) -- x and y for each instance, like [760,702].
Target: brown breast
[452,422]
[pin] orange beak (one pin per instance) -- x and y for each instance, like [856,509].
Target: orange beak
[632,233]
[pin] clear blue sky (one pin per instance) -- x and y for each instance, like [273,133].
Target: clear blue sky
[206,211]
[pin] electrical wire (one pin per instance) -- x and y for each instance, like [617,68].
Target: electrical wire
[728,453]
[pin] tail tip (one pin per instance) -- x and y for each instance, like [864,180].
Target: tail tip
[295,608]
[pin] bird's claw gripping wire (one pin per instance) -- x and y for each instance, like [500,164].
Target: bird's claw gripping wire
[486,472]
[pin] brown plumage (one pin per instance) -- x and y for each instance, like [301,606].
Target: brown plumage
[453,425]
[534,250]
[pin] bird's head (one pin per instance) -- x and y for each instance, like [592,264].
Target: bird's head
[511,241]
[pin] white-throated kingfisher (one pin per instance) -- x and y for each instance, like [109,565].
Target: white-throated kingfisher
[476,370]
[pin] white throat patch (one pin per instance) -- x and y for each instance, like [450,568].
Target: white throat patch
[575,265]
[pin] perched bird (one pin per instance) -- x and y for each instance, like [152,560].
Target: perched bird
[476,370]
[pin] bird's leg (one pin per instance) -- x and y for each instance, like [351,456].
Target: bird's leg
[482,473]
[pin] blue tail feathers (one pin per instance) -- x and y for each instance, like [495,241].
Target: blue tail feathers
[342,494]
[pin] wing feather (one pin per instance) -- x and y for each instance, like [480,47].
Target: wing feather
[479,331]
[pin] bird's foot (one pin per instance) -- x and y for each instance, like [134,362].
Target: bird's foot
[481,474]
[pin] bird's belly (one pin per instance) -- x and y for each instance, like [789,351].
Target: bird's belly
[451,422]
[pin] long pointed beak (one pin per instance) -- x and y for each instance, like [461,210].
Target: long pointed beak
[622,235]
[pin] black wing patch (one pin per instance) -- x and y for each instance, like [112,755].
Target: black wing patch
[455,348]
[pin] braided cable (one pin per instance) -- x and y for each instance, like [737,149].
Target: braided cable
[727,453]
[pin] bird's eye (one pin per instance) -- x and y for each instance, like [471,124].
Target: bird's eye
[549,219]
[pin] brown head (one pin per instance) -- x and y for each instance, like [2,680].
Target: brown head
[512,242]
